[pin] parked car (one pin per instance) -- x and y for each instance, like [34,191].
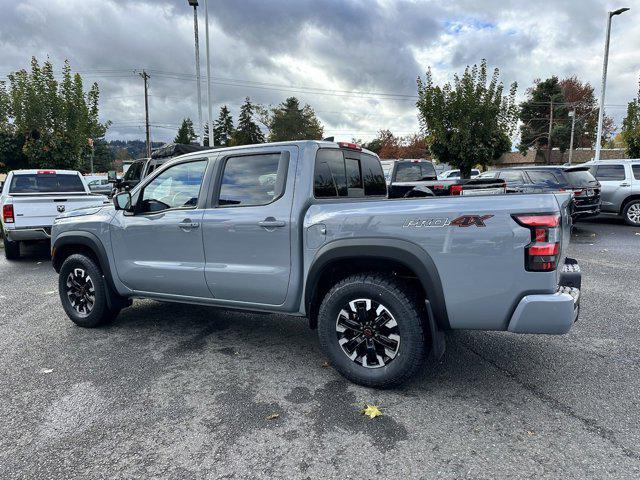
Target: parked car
[418,178]
[450,174]
[553,178]
[620,181]
[101,185]
[305,228]
[31,199]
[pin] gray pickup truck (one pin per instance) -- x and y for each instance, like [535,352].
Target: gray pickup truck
[306,228]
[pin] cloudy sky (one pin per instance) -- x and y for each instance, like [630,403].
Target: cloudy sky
[355,62]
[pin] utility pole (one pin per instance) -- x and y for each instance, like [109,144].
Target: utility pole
[209,99]
[572,114]
[604,78]
[194,3]
[145,77]
[549,137]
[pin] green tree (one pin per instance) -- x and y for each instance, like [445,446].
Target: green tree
[469,122]
[248,131]
[51,122]
[535,114]
[631,128]
[223,128]
[186,133]
[289,121]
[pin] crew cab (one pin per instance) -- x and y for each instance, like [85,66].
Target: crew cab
[620,184]
[418,178]
[305,228]
[31,199]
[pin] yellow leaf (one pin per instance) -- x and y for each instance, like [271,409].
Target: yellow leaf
[326,365]
[273,416]
[371,411]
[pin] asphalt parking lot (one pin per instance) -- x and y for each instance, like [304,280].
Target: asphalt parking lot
[184,392]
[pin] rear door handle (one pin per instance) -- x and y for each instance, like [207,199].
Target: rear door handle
[271,222]
[625,184]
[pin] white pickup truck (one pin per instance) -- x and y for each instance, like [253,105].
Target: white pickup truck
[31,199]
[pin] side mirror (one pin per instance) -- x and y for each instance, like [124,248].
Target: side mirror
[112,176]
[122,201]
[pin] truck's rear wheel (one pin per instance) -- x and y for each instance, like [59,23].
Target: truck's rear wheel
[11,249]
[83,292]
[370,327]
[631,213]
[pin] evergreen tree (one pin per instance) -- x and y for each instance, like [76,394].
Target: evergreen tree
[248,132]
[289,121]
[631,128]
[223,128]
[186,134]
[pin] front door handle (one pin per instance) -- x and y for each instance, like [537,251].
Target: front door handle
[187,225]
[271,222]
[625,184]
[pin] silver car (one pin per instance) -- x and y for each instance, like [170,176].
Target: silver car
[620,187]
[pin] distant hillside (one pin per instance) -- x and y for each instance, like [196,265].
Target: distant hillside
[129,149]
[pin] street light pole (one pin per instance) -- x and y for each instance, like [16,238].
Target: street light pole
[206,30]
[194,4]
[604,78]
[572,114]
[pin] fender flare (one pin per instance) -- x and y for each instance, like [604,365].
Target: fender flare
[404,252]
[86,239]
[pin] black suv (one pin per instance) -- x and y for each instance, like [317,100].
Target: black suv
[585,188]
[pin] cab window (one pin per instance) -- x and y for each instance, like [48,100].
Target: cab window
[610,172]
[176,187]
[357,175]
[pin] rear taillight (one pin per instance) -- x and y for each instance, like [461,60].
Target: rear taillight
[455,190]
[7,214]
[579,192]
[541,255]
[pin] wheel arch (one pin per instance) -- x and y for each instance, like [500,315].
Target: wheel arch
[387,254]
[627,200]
[69,243]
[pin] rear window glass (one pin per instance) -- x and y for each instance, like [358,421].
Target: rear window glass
[374,181]
[542,177]
[636,171]
[580,178]
[46,183]
[610,172]
[357,175]
[512,176]
[415,171]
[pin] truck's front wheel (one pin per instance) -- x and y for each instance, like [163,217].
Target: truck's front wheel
[83,292]
[11,249]
[370,327]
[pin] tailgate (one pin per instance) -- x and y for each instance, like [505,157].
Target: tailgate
[40,210]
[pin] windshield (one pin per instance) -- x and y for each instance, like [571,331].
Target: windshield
[580,178]
[46,183]
[415,171]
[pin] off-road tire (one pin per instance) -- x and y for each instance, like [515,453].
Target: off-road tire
[11,249]
[100,313]
[632,206]
[402,302]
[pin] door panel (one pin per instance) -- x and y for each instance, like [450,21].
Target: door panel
[615,186]
[247,237]
[158,247]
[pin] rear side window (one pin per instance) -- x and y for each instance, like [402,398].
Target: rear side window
[610,172]
[134,172]
[253,180]
[374,181]
[415,171]
[636,171]
[512,177]
[357,175]
[581,178]
[544,178]
[46,183]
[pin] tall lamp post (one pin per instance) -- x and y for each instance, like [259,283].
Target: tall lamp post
[604,78]
[206,34]
[194,4]
[572,114]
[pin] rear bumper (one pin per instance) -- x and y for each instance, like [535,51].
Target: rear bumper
[552,313]
[25,234]
[589,210]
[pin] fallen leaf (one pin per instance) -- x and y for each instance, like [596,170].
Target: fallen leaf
[46,370]
[50,292]
[371,411]
[530,433]
[273,416]
[637,233]
[326,365]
